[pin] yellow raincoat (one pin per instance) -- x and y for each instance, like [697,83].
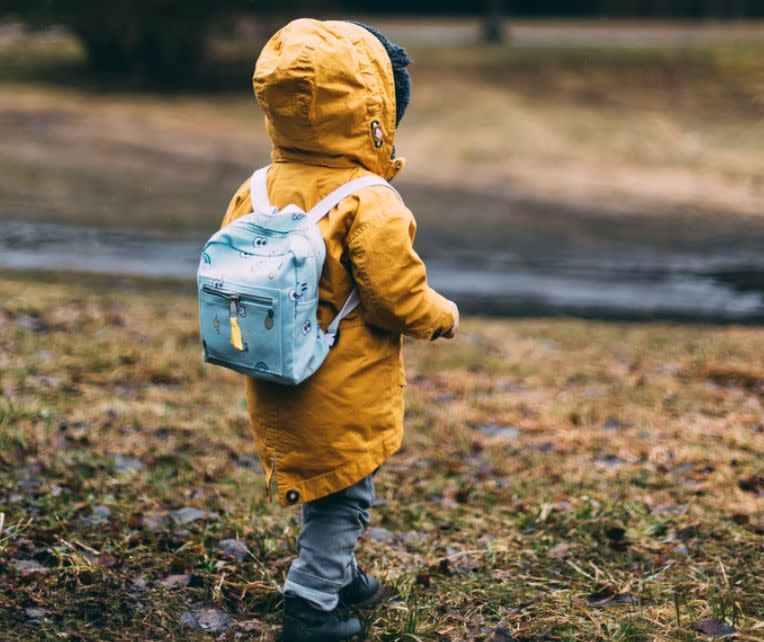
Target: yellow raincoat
[322,85]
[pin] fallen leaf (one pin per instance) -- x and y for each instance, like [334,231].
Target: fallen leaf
[423,578]
[459,564]
[713,628]
[257,626]
[615,533]
[607,597]
[753,484]
[502,635]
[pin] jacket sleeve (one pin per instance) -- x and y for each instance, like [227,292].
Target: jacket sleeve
[240,205]
[390,276]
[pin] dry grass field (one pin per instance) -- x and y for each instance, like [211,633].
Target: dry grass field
[560,480]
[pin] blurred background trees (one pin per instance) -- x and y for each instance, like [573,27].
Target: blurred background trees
[168,39]
[161,39]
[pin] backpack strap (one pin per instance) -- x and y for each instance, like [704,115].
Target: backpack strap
[321,209]
[328,203]
[258,190]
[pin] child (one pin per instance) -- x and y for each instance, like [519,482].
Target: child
[333,93]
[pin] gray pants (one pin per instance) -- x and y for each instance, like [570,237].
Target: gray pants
[325,547]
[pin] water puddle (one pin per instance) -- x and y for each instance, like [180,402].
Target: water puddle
[631,283]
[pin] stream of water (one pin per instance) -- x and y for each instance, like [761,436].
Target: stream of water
[634,284]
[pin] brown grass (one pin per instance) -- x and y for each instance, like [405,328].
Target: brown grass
[628,504]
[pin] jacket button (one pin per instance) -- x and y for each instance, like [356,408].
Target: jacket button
[292,496]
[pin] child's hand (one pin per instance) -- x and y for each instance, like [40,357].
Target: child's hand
[454,328]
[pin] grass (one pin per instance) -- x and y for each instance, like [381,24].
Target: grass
[651,130]
[628,505]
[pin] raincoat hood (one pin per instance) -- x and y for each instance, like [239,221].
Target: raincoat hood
[328,93]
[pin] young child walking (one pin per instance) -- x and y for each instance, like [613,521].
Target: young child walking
[333,93]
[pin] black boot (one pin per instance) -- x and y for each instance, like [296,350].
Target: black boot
[303,623]
[364,592]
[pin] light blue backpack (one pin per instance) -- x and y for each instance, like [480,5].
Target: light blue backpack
[258,288]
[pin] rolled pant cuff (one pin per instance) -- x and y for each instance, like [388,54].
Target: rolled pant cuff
[319,599]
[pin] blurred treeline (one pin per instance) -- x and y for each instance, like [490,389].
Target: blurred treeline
[163,39]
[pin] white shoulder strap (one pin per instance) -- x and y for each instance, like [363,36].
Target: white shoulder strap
[321,209]
[328,203]
[258,190]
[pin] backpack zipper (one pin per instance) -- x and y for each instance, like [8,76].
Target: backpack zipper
[236,296]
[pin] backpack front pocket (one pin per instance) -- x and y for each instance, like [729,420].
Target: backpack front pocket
[241,329]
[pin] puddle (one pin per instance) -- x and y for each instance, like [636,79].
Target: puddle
[630,283]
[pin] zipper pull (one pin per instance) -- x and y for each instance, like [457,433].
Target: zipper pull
[236,338]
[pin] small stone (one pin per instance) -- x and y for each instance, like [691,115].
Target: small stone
[208,620]
[187,515]
[35,614]
[670,509]
[510,386]
[126,464]
[99,516]
[559,551]
[249,462]
[30,322]
[188,619]
[101,511]
[156,521]
[172,582]
[609,461]
[138,584]
[502,634]
[500,432]
[234,548]
[614,424]
[381,535]
[28,568]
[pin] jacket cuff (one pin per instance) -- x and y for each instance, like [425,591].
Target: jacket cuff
[445,320]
